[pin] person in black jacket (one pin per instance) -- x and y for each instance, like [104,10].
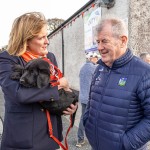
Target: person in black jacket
[25,121]
[117,116]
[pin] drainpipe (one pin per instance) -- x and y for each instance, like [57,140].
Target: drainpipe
[62,36]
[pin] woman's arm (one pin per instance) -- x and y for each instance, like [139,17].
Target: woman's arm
[17,92]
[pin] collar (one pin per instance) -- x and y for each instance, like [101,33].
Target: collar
[27,56]
[120,61]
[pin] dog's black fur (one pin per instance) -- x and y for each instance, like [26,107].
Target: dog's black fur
[60,105]
[36,73]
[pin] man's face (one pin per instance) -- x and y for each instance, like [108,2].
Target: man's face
[110,47]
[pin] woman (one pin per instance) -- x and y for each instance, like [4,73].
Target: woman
[25,122]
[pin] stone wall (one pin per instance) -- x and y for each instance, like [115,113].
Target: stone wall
[139,25]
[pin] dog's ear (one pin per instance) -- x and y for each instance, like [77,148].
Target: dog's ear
[17,71]
[43,79]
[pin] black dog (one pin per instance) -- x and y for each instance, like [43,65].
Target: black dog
[36,73]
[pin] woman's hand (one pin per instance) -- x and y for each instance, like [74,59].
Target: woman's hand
[64,84]
[70,110]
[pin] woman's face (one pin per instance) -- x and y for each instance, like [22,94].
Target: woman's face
[38,44]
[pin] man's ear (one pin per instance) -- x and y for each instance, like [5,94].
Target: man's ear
[42,80]
[124,41]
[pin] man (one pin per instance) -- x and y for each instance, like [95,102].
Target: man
[85,75]
[145,57]
[118,112]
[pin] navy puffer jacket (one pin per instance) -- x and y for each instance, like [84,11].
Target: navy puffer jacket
[118,112]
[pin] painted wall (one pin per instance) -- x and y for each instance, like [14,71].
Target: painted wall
[55,46]
[73,50]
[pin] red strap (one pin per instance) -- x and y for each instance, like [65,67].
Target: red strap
[51,132]
[54,80]
[55,73]
[66,143]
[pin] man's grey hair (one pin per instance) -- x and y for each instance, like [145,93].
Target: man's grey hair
[119,27]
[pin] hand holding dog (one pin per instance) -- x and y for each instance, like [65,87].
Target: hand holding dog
[64,84]
[70,110]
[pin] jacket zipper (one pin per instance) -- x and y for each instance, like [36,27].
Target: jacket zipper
[103,93]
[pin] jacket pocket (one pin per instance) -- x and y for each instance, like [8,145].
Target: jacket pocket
[18,128]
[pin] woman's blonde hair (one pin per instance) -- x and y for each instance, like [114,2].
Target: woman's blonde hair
[24,28]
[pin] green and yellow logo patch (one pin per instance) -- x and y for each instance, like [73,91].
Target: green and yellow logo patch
[122,82]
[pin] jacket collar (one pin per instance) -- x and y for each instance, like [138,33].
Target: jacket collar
[120,61]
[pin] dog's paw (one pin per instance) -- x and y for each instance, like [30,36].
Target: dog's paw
[17,71]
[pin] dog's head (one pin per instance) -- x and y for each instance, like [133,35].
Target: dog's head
[36,73]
